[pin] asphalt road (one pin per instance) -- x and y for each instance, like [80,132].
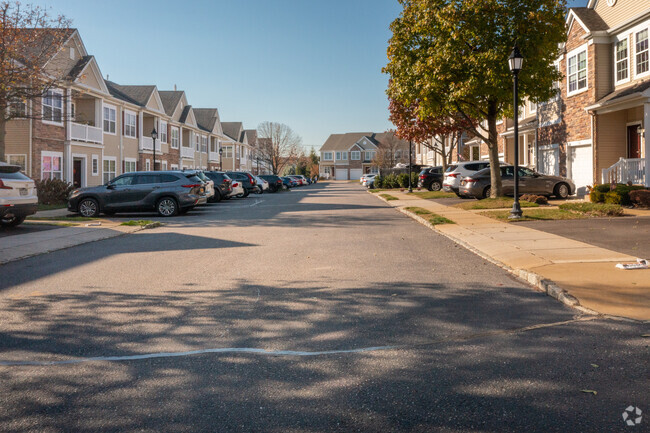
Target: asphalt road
[316,310]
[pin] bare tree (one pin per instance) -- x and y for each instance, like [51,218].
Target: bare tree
[278,145]
[29,38]
[391,151]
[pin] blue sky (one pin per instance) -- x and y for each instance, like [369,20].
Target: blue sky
[313,65]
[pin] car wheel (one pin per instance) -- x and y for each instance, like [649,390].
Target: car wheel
[89,208]
[435,186]
[487,192]
[167,207]
[246,193]
[561,190]
[12,221]
[217,197]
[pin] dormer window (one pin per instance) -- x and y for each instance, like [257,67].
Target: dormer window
[642,61]
[621,60]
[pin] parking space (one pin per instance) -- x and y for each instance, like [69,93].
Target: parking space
[25,228]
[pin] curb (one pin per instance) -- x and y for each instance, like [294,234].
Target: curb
[537,281]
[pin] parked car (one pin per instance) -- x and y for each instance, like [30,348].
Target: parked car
[530,182]
[431,178]
[209,183]
[301,181]
[262,185]
[246,179]
[222,184]
[237,189]
[275,182]
[290,182]
[456,172]
[167,192]
[369,180]
[18,198]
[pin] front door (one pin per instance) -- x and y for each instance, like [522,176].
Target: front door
[633,142]
[76,173]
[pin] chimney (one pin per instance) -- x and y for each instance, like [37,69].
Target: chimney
[174,87]
[106,77]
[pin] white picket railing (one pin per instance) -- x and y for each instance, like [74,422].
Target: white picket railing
[187,152]
[626,170]
[147,144]
[213,156]
[86,133]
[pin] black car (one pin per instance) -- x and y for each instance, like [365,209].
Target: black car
[222,184]
[247,180]
[275,183]
[431,178]
[167,192]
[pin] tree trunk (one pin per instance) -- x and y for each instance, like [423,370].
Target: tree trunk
[493,146]
[3,130]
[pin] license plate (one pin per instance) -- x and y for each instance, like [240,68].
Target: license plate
[23,191]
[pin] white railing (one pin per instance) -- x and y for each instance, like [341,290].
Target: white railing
[187,152]
[147,144]
[213,156]
[86,133]
[418,158]
[626,170]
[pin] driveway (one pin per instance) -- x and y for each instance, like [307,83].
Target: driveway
[320,309]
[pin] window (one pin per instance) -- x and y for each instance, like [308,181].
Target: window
[642,61]
[20,160]
[18,108]
[110,114]
[164,165]
[53,106]
[163,131]
[532,107]
[204,143]
[147,165]
[129,124]
[370,155]
[175,138]
[109,170]
[174,167]
[124,180]
[196,142]
[621,60]
[51,165]
[95,165]
[577,71]
[227,151]
[355,155]
[130,165]
[327,156]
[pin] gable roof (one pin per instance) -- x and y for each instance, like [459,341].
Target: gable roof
[251,136]
[170,100]
[206,118]
[588,19]
[185,114]
[43,44]
[633,92]
[232,129]
[343,141]
[117,91]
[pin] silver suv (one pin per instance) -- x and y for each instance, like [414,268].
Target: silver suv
[18,197]
[456,172]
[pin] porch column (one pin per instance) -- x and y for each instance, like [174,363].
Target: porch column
[140,129]
[646,141]
[67,145]
[525,150]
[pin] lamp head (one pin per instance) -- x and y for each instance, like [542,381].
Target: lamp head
[515,60]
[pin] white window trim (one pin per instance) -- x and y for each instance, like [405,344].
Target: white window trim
[357,152]
[171,140]
[94,161]
[134,161]
[135,130]
[109,106]
[109,158]
[625,80]
[646,73]
[147,165]
[574,53]
[174,167]
[331,156]
[160,134]
[57,154]
[9,155]
[51,122]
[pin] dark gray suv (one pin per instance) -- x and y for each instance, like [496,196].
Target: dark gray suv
[167,192]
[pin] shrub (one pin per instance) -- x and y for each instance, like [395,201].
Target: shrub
[403,180]
[612,197]
[532,198]
[619,195]
[390,181]
[596,196]
[378,182]
[53,191]
[414,178]
[640,197]
[595,209]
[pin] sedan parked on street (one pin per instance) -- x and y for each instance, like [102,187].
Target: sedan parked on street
[369,180]
[18,197]
[289,182]
[431,178]
[530,182]
[167,192]
[262,185]
[246,179]
[237,189]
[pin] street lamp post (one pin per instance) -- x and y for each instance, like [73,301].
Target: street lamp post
[410,165]
[515,61]
[220,159]
[154,135]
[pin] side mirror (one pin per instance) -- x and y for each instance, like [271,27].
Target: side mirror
[110,186]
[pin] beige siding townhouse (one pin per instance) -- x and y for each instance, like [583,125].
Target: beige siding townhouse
[209,122]
[237,152]
[175,102]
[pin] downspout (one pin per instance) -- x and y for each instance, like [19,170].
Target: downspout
[31,138]
[121,144]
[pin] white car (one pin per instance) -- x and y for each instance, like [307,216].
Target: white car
[261,183]
[237,189]
[18,197]
[368,179]
[457,172]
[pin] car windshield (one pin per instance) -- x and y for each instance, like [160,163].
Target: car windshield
[16,175]
[194,178]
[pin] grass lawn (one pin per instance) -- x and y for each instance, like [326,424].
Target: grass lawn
[388,197]
[494,203]
[137,223]
[566,211]
[62,218]
[433,218]
[434,194]
[51,223]
[51,206]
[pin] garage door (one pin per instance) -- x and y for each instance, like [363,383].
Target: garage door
[548,161]
[581,167]
[341,174]
[355,173]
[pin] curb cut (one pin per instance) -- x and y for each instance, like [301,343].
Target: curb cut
[537,281]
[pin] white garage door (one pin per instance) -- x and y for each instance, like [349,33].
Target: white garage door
[581,168]
[548,161]
[355,173]
[341,173]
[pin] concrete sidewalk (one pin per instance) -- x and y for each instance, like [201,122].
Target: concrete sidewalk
[585,271]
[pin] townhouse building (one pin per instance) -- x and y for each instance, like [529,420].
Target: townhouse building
[238,153]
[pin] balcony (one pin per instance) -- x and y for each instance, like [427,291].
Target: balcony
[213,157]
[86,133]
[147,144]
[187,152]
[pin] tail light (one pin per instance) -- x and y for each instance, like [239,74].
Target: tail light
[279,181]
[235,184]
[3,186]
[192,185]
[469,180]
[452,174]
[422,176]
[251,179]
